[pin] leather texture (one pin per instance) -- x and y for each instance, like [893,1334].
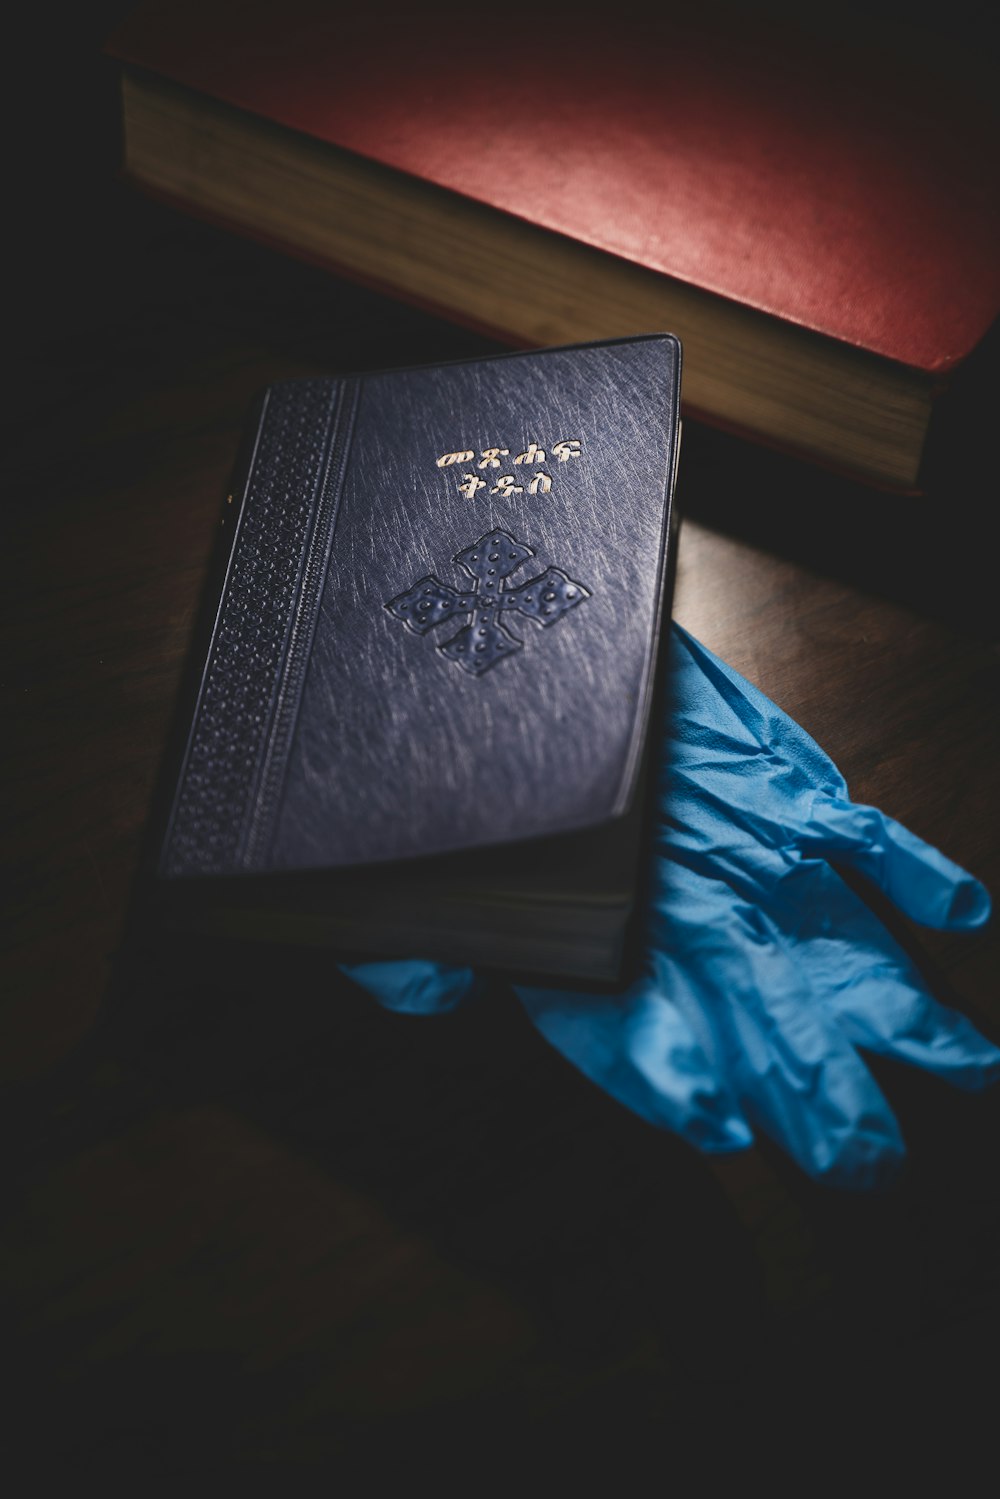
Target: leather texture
[440,620]
[830,182]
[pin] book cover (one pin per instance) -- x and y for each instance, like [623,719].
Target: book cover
[816,217]
[436,635]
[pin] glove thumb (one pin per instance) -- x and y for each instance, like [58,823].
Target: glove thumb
[413,986]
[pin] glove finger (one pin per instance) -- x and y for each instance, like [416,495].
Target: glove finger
[916,877]
[413,986]
[637,1047]
[721,792]
[749,999]
[872,987]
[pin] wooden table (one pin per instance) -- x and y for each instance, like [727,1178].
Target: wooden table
[253,1218]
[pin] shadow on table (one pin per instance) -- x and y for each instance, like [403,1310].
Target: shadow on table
[659,1290]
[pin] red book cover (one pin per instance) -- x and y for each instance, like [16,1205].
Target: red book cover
[840,185]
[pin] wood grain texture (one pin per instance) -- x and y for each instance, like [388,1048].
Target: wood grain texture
[249,1218]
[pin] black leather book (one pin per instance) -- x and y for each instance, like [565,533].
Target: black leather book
[419,714]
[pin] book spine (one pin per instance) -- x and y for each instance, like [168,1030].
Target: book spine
[230,783]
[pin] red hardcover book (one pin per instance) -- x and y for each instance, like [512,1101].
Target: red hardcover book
[815,216]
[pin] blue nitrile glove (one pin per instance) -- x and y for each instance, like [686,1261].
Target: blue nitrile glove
[763,971]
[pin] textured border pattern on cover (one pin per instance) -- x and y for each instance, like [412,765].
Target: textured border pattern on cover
[234,762]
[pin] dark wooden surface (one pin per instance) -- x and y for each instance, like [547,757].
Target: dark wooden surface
[248,1217]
